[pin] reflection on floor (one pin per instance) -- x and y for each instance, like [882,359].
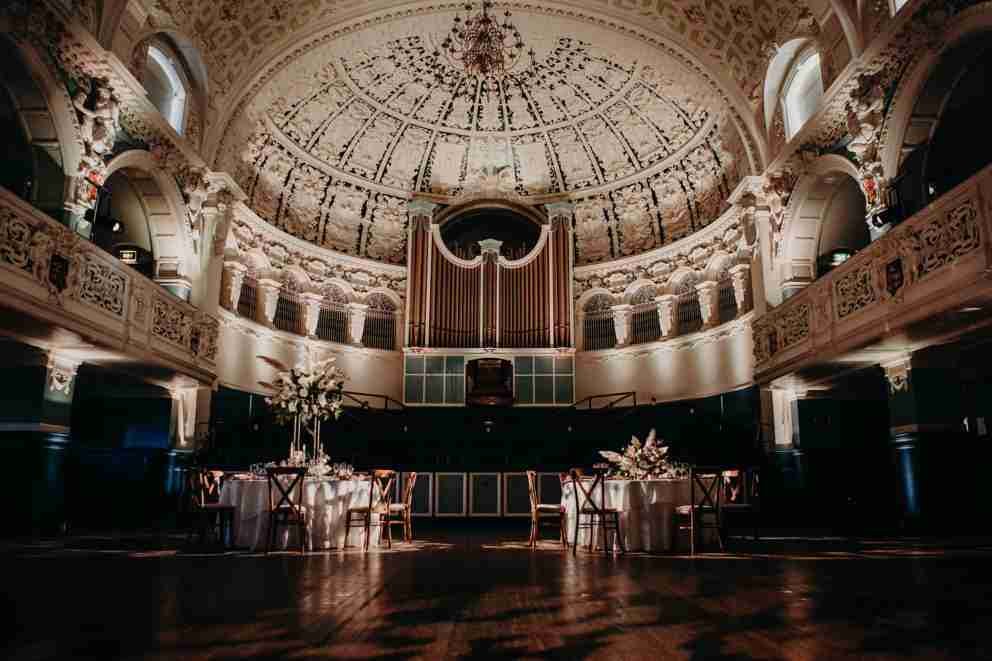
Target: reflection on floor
[477,590]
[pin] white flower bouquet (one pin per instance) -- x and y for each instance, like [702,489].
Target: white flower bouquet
[309,395]
[643,461]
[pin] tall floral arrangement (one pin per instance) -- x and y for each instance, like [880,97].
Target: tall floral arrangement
[647,460]
[313,395]
[305,397]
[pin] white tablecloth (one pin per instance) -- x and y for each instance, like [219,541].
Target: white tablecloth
[647,511]
[326,501]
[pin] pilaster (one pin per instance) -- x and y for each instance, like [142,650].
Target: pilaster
[709,302]
[740,276]
[356,322]
[231,280]
[622,317]
[267,291]
[667,309]
[311,312]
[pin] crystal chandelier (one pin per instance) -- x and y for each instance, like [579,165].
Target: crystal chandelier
[487,47]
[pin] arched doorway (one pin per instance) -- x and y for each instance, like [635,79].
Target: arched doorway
[31,159]
[943,144]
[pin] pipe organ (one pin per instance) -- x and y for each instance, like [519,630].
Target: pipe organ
[489,301]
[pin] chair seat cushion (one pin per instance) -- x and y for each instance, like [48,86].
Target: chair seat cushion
[549,508]
[398,507]
[217,507]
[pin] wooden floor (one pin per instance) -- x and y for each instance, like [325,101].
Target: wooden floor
[480,592]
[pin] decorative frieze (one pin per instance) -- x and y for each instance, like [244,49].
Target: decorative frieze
[912,254]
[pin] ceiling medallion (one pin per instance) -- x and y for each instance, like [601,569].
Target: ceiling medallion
[486,48]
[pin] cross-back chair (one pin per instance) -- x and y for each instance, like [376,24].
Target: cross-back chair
[741,498]
[543,512]
[376,511]
[209,517]
[286,502]
[404,510]
[584,491]
[703,511]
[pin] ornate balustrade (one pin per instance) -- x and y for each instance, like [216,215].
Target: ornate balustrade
[54,274]
[931,263]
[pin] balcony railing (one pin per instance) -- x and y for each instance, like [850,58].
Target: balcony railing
[925,265]
[72,282]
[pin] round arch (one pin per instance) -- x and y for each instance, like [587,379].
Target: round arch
[811,205]
[973,22]
[171,239]
[52,130]
[779,70]
[392,296]
[633,288]
[583,300]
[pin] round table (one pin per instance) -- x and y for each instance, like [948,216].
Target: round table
[326,502]
[647,511]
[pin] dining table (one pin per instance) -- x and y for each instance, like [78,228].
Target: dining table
[647,511]
[326,501]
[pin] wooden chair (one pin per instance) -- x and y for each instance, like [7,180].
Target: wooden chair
[539,510]
[741,498]
[586,506]
[209,517]
[286,502]
[404,510]
[377,509]
[703,511]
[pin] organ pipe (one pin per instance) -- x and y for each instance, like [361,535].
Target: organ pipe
[489,301]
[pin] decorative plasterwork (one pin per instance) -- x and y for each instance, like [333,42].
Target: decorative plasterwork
[341,132]
[683,343]
[722,243]
[270,253]
[235,35]
[908,36]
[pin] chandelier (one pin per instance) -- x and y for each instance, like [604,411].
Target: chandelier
[486,46]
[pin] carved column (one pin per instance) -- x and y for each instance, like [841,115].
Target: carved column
[560,216]
[740,275]
[622,320]
[709,303]
[217,217]
[311,311]
[667,308]
[182,419]
[36,409]
[926,409]
[267,291]
[421,213]
[356,322]
[231,280]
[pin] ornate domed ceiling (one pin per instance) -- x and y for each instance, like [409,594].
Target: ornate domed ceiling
[332,136]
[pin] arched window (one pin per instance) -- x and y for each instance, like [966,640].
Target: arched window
[332,323]
[598,331]
[689,316]
[166,86]
[801,92]
[379,331]
[645,322]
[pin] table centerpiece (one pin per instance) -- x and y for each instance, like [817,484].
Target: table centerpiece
[644,461]
[305,397]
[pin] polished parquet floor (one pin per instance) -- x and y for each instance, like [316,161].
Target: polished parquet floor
[476,591]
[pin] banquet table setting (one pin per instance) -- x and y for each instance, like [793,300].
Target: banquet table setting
[325,499]
[647,512]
